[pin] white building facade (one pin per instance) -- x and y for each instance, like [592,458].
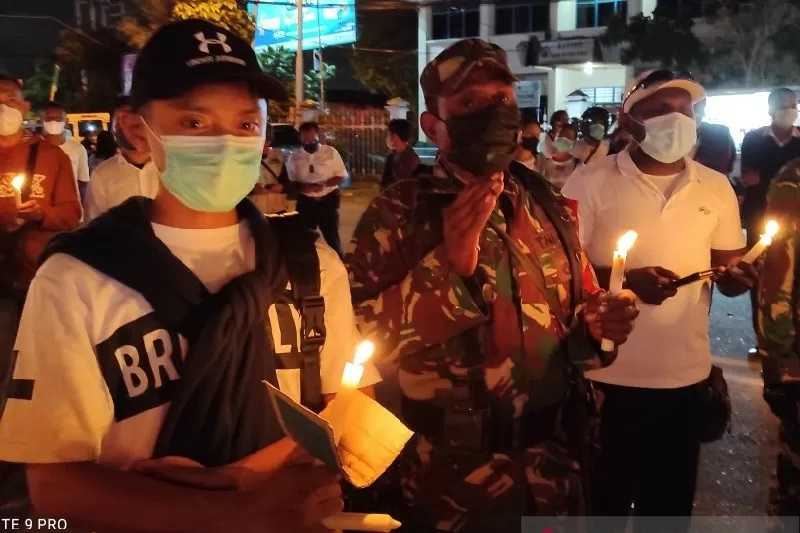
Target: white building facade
[572,69]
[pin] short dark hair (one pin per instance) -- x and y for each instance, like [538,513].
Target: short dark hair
[776,95]
[53,105]
[597,115]
[308,126]
[528,121]
[121,101]
[402,128]
[559,115]
[13,79]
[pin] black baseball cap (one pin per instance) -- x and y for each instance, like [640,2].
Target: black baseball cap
[184,54]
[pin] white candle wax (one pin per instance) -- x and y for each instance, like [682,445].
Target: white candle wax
[624,244]
[763,243]
[361,522]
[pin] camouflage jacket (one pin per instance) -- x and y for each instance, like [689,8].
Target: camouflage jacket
[437,326]
[440,330]
[778,296]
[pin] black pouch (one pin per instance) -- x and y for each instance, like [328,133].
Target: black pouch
[715,406]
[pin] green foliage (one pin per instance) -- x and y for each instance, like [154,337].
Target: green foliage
[391,73]
[280,62]
[152,14]
[737,43]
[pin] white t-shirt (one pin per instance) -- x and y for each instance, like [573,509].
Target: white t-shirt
[103,368]
[322,165]
[115,180]
[79,158]
[669,345]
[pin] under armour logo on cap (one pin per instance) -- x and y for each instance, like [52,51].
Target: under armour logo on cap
[220,40]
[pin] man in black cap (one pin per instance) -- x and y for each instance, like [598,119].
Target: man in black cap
[143,335]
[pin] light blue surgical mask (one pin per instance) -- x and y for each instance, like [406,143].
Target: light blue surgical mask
[210,173]
[597,132]
[562,144]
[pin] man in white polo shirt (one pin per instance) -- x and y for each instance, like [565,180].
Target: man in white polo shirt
[687,218]
[54,122]
[318,170]
[129,173]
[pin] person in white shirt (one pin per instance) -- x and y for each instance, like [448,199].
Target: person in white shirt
[124,175]
[98,369]
[318,170]
[687,218]
[54,122]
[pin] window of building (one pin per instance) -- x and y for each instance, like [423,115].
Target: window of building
[604,95]
[453,22]
[594,13]
[525,17]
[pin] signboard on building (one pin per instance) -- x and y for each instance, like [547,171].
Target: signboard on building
[325,23]
[128,61]
[529,93]
[566,51]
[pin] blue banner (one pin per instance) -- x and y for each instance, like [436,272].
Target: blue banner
[325,23]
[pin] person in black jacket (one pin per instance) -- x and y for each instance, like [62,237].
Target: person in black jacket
[148,333]
[403,161]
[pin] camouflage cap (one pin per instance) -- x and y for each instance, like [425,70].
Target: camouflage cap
[448,71]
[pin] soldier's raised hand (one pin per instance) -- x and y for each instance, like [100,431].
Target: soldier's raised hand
[464,221]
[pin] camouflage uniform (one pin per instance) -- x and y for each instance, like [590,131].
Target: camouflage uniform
[491,399]
[779,316]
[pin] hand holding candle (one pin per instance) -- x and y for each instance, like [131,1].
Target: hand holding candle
[624,244]
[18,182]
[755,252]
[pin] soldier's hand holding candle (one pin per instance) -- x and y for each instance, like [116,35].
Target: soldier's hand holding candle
[611,316]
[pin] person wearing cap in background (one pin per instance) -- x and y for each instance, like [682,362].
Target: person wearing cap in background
[528,148]
[129,173]
[687,218]
[593,145]
[271,193]
[54,122]
[562,163]
[402,161]
[764,152]
[479,291]
[123,354]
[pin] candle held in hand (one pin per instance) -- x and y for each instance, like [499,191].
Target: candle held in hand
[353,372]
[763,243]
[624,244]
[17,182]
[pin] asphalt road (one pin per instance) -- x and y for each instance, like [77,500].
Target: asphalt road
[737,470]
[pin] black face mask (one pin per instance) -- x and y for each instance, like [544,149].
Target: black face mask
[311,147]
[484,142]
[531,144]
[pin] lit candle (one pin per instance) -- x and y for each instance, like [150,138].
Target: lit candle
[355,370]
[361,522]
[766,239]
[17,183]
[624,244]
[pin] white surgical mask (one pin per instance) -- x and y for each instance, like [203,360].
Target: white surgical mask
[785,118]
[670,137]
[54,127]
[10,120]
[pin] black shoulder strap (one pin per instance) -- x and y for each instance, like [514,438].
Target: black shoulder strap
[299,251]
[30,169]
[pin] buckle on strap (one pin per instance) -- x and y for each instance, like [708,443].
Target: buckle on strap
[312,329]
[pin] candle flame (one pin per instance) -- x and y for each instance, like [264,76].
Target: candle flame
[364,352]
[352,374]
[772,228]
[18,182]
[626,242]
